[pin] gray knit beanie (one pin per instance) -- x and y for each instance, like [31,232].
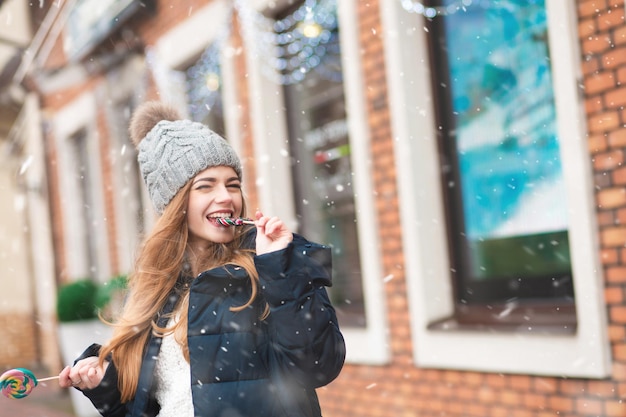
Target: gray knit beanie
[172,150]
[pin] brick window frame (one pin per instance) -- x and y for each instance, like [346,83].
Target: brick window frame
[368,345]
[79,116]
[584,354]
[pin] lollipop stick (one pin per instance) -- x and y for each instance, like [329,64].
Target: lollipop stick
[47,379]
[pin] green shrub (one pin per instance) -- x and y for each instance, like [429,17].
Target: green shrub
[77,301]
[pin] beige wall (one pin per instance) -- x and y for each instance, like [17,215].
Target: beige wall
[27,311]
[16,301]
[15,34]
[15,278]
[15,19]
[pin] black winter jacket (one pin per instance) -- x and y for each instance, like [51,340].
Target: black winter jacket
[242,366]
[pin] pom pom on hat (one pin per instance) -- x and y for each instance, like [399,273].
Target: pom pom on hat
[171,151]
[146,116]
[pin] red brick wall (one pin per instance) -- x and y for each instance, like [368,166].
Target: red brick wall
[603,42]
[19,347]
[56,221]
[245,125]
[104,141]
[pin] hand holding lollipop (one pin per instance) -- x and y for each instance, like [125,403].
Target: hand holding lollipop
[279,236]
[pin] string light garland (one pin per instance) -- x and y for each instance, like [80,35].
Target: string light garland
[297,44]
[429,12]
[414,6]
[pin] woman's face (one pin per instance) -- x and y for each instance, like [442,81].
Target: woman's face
[215,192]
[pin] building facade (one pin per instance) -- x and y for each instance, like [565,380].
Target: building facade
[464,159]
[27,313]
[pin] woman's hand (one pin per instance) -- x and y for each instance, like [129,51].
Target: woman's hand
[86,374]
[272,234]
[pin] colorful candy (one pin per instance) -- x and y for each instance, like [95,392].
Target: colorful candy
[239,221]
[17,383]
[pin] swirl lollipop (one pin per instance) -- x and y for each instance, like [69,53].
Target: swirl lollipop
[19,382]
[228,221]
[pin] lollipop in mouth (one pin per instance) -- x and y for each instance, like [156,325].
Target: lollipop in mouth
[233,221]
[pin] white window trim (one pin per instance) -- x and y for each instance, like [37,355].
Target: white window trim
[269,130]
[585,354]
[367,345]
[126,83]
[81,114]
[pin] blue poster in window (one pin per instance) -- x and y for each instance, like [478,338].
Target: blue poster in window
[505,120]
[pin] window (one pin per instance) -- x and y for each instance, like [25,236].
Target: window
[321,167]
[86,252]
[129,201]
[501,165]
[81,178]
[131,191]
[429,127]
[310,170]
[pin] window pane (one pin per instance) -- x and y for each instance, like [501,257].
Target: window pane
[507,197]
[204,89]
[320,148]
[129,189]
[85,198]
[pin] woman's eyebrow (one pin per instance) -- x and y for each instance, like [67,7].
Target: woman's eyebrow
[213,179]
[208,179]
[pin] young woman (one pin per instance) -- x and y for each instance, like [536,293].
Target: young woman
[219,321]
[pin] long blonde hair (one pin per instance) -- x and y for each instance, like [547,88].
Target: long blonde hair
[159,264]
